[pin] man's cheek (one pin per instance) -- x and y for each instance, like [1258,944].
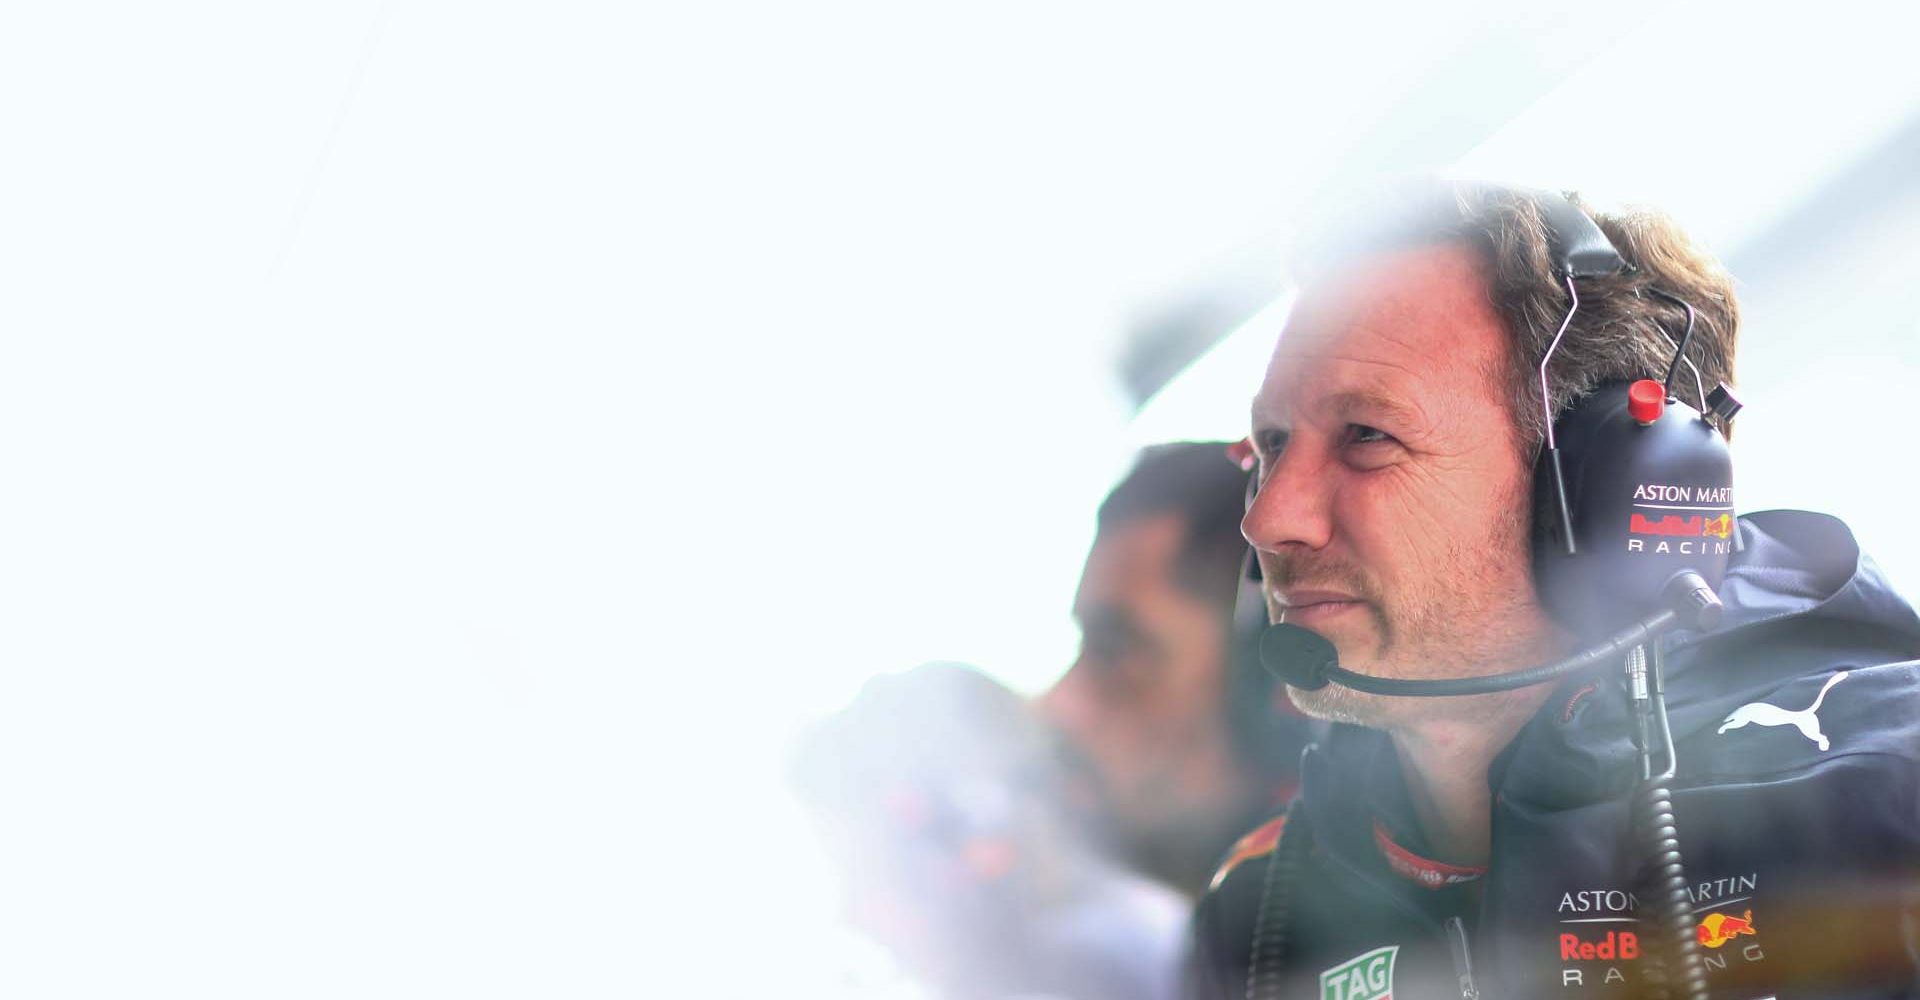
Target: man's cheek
[1431,510]
[1410,522]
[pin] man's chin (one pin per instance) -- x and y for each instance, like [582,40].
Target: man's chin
[1338,703]
[1335,703]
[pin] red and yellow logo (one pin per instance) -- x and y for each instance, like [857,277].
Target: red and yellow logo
[1717,929]
[1692,525]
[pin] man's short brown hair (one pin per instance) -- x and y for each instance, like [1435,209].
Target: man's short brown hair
[1621,331]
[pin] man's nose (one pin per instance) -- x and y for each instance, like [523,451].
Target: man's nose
[1293,505]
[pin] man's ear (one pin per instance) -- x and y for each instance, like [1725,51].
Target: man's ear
[1241,452]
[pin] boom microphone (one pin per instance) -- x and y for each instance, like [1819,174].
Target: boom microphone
[1301,657]
[1306,660]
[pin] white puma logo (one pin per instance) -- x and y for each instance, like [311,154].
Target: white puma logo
[1761,713]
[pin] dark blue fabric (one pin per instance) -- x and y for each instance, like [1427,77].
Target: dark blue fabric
[1806,858]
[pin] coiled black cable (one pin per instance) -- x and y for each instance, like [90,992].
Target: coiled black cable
[1273,921]
[1676,963]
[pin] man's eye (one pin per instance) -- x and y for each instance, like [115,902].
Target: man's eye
[1362,434]
[1270,444]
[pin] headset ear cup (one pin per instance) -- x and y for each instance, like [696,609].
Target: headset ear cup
[1545,534]
[1556,498]
[1647,500]
[1556,571]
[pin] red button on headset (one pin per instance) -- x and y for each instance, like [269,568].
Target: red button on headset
[1646,400]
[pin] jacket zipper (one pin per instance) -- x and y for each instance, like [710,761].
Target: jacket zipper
[1462,957]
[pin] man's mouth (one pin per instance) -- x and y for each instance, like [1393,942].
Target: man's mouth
[1312,607]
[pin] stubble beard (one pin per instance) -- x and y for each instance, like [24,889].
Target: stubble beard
[1441,635]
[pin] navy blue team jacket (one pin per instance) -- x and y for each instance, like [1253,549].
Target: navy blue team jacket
[1797,725]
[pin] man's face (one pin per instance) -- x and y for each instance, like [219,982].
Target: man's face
[1392,512]
[1143,702]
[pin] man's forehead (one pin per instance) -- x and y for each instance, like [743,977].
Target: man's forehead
[1386,328]
[1360,399]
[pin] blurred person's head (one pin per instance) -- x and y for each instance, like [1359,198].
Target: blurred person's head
[940,798]
[1400,420]
[1181,738]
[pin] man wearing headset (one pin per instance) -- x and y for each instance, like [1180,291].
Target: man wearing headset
[1483,845]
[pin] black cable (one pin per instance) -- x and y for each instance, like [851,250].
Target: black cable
[1676,951]
[1273,921]
[1680,352]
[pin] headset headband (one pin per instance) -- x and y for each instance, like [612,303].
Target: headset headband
[1580,249]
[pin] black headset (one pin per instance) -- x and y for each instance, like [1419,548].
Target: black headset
[1632,486]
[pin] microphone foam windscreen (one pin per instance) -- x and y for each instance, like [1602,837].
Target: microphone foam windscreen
[1298,656]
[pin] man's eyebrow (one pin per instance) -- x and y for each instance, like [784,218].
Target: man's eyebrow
[1345,404]
[1263,415]
[1341,406]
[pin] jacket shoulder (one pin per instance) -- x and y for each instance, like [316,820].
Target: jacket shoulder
[1817,718]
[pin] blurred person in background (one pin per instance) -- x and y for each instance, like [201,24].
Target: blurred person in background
[940,797]
[1488,844]
[1184,737]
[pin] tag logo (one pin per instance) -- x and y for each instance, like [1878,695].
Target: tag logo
[1364,977]
[1760,713]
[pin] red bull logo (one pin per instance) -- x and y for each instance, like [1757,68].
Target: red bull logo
[1622,945]
[1692,525]
[1717,929]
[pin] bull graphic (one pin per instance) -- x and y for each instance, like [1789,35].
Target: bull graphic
[1717,929]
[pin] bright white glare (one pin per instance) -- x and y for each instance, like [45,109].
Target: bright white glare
[1723,114]
[458,445]
[1788,454]
[1208,400]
